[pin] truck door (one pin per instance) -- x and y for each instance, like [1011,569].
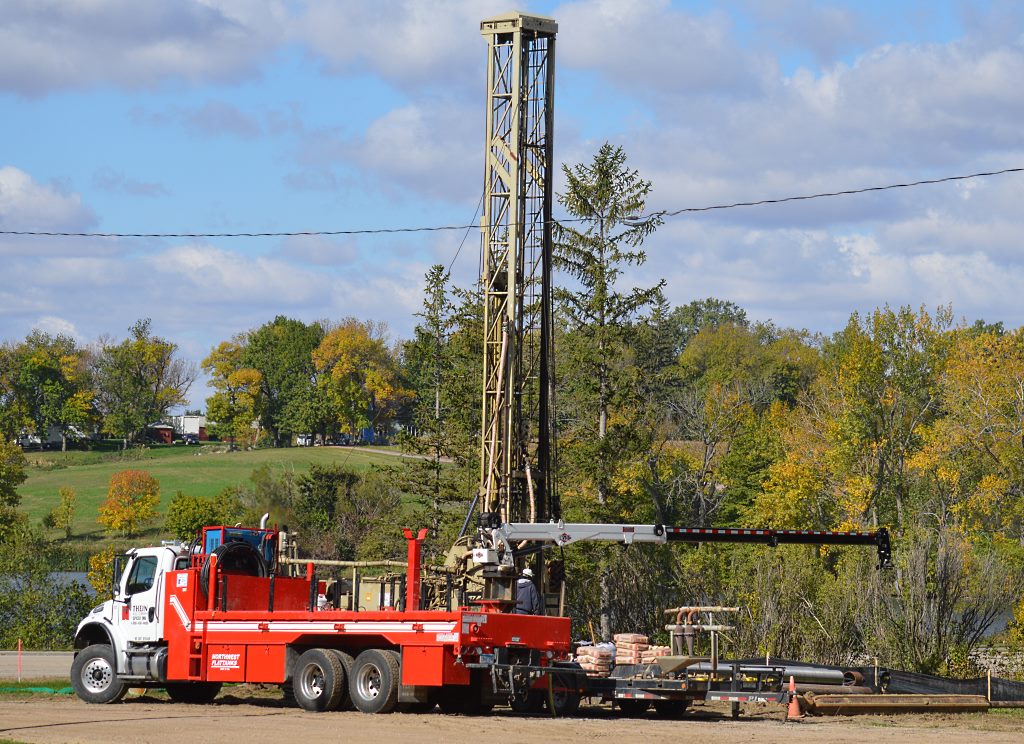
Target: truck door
[141,590]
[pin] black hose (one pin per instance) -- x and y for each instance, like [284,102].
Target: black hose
[237,557]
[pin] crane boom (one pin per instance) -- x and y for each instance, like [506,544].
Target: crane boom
[502,538]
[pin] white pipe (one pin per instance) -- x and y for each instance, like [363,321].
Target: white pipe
[263,521]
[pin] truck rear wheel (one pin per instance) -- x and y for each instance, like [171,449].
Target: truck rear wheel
[199,693]
[373,684]
[94,675]
[346,663]
[318,680]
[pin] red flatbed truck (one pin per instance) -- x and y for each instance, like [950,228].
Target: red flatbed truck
[190,621]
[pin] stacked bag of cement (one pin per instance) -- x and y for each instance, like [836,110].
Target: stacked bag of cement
[629,647]
[650,656]
[596,660]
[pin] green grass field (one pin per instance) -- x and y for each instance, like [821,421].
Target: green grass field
[198,471]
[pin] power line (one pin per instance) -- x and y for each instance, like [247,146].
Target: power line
[441,228]
[465,235]
[841,193]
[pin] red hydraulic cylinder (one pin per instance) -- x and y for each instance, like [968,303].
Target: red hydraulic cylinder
[412,583]
[211,587]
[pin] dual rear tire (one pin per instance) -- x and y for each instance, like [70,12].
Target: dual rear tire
[328,679]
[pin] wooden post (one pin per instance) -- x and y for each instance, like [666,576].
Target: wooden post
[988,679]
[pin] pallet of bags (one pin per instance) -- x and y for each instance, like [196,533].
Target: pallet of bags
[650,656]
[596,660]
[629,647]
[630,638]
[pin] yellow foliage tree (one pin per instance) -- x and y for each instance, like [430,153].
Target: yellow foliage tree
[132,498]
[99,574]
[359,373]
[236,401]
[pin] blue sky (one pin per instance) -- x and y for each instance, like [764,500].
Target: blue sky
[229,115]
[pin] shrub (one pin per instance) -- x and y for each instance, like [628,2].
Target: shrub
[63,515]
[187,514]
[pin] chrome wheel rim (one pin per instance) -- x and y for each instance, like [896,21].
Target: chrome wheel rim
[368,682]
[312,681]
[97,675]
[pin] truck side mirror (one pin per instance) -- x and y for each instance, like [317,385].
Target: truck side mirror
[120,563]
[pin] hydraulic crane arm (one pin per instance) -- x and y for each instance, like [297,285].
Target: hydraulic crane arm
[561,533]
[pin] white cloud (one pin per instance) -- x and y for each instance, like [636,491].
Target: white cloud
[209,276]
[649,49]
[58,327]
[28,205]
[48,45]
[318,250]
[407,42]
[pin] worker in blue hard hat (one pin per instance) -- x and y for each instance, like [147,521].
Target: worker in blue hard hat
[528,600]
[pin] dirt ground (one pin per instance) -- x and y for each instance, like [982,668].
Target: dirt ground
[240,717]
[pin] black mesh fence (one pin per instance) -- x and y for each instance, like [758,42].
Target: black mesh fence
[894,681]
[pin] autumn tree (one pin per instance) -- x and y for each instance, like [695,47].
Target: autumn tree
[132,498]
[972,458]
[54,384]
[853,434]
[235,404]
[359,374]
[139,380]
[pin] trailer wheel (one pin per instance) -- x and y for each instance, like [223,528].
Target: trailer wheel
[532,704]
[94,675]
[671,708]
[199,693]
[373,684]
[345,703]
[318,680]
[564,695]
[633,707]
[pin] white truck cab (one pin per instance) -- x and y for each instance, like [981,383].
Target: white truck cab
[120,641]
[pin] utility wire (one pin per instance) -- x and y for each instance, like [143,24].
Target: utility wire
[476,213]
[440,228]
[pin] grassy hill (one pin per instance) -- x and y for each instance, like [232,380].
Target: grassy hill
[201,471]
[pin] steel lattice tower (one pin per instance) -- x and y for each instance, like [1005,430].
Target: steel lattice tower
[517,424]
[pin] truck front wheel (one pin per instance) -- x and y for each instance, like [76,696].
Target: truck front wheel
[373,682]
[94,675]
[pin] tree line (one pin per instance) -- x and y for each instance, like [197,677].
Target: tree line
[693,415]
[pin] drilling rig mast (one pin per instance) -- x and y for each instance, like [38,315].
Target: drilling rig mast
[518,380]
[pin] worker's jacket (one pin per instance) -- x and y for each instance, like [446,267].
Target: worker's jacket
[528,601]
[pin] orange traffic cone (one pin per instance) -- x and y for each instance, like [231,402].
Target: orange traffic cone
[793,712]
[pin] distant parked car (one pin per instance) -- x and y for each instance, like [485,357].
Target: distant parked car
[190,439]
[304,440]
